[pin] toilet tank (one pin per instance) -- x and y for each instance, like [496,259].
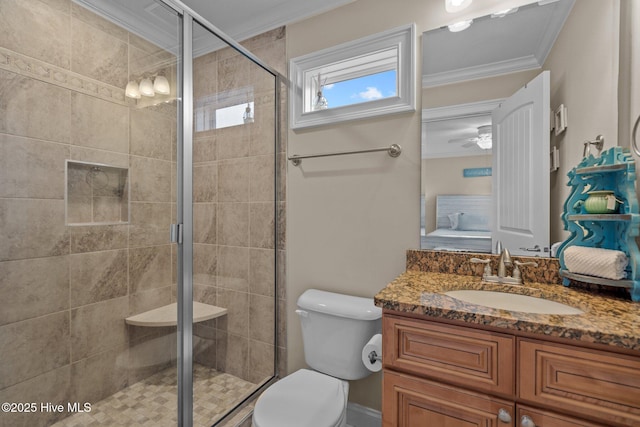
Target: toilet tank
[335,328]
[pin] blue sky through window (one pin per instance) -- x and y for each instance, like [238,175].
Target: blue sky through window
[361,89]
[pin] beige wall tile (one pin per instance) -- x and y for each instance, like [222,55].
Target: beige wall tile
[261,318]
[205,149]
[33,287]
[98,276]
[79,209]
[234,142]
[233,224]
[149,267]
[282,323]
[205,267]
[33,108]
[142,301]
[204,223]
[33,347]
[205,183]
[32,228]
[261,356]
[98,55]
[262,272]
[233,268]
[107,209]
[262,180]
[261,223]
[149,224]
[99,327]
[83,14]
[233,180]
[151,134]
[233,73]
[204,349]
[232,352]
[31,168]
[99,376]
[150,180]
[151,354]
[93,238]
[237,319]
[37,29]
[99,124]
[52,386]
[206,295]
[205,75]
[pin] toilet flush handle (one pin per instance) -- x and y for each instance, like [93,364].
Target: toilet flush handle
[302,313]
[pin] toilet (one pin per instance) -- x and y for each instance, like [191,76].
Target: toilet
[335,328]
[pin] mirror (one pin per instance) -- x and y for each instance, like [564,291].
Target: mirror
[467,74]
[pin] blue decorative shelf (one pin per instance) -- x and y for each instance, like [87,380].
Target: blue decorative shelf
[614,170]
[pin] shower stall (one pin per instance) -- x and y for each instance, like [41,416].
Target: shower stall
[142,201]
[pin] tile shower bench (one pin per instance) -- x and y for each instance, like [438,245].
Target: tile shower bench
[168,315]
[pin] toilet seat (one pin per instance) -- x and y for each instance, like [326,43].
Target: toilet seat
[304,398]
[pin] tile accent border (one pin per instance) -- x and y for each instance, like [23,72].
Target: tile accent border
[34,68]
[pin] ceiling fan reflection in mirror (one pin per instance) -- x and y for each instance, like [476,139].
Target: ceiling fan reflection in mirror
[483,140]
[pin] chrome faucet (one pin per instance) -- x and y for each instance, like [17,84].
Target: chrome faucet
[504,262]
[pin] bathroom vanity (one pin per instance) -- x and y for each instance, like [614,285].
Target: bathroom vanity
[452,363]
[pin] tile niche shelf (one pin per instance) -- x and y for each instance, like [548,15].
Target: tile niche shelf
[96,194]
[168,315]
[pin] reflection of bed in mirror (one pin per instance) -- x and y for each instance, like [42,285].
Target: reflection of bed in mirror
[462,224]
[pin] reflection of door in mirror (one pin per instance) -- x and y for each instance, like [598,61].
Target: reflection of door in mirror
[520,186]
[511,139]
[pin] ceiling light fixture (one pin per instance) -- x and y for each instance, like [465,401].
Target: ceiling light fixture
[460,26]
[146,88]
[484,137]
[161,85]
[132,90]
[453,6]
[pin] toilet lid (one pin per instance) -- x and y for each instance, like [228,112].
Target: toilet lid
[304,398]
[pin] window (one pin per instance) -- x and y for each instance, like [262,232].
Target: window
[224,109]
[364,78]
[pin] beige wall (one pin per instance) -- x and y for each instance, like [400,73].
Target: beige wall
[584,77]
[350,219]
[445,176]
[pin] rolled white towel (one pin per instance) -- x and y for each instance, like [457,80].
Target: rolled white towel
[596,262]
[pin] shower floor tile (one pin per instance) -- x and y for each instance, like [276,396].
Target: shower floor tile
[153,402]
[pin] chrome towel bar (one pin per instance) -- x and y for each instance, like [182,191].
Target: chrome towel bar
[393,150]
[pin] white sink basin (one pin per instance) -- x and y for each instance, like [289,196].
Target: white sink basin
[513,302]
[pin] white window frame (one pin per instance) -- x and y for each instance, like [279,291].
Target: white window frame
[389,50]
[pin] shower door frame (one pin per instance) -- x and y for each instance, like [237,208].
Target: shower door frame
[182,231]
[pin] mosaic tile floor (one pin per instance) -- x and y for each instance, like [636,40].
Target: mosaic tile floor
[152,402]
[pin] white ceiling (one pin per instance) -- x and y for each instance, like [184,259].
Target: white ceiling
[239,19]
[437,134]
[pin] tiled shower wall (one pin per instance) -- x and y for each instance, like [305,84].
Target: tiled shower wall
[66,290]
[234,183]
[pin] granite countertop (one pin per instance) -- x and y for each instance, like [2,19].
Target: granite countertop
[606,320]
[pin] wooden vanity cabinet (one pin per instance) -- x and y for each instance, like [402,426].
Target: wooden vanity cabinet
[443,375]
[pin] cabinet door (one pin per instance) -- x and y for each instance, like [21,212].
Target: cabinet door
[413,402]
[527,415]
[470,358]
[587,383]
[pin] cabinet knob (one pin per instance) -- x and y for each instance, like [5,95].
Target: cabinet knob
[526,421]
[504,416]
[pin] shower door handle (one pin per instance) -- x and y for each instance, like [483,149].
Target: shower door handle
[175,233]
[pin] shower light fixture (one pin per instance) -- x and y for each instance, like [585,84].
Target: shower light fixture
[132,90]
[147,87]
[458,26]
[161,85]
[453,6]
